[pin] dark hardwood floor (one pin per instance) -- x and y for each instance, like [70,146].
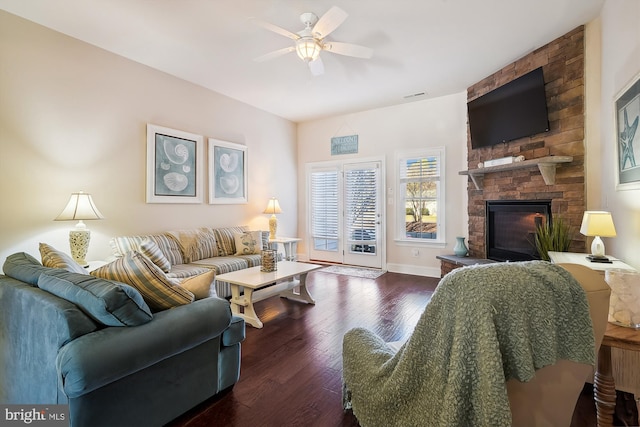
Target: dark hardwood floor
[291,369]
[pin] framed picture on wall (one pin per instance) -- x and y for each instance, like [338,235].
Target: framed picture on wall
[174,166]
[227,172]
[627,116]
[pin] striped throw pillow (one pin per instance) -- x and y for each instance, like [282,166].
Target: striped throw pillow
[195,244]
[53,258]
[225,237]
[168,246]
[152,251]
[137,270]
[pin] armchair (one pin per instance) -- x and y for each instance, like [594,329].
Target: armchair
[499,344]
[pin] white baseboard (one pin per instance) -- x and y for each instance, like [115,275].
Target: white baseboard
[416,270]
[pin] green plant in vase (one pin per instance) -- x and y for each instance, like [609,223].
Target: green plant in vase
[554,237]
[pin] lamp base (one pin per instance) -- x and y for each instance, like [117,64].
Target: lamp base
[273,226]
[599,258]
[79,243]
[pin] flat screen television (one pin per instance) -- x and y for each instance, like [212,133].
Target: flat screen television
[514,110]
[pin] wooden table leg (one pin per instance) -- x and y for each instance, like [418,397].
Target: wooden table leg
[604,388]
[246,302]
[302,294]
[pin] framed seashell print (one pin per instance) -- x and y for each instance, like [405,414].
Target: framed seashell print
[227,172]
[627,116]
[174,166]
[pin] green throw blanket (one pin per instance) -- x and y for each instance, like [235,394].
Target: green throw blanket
[484,325]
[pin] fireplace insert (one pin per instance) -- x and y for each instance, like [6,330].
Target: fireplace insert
[511,228]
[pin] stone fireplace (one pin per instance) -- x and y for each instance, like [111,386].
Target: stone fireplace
[562,62]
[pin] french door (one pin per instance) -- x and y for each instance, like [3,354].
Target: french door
[345,213]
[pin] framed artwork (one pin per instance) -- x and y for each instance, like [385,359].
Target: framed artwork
[174,166]
[227,172]
[627,112]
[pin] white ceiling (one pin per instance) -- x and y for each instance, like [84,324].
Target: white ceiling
[437,47]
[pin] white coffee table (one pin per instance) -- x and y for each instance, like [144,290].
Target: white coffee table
[259,285]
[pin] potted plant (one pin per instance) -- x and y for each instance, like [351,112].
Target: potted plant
[553,237]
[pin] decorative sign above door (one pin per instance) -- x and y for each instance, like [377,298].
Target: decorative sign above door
[344,145]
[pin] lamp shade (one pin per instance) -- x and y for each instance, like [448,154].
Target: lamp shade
[597,223]
[80,207]
[273,207]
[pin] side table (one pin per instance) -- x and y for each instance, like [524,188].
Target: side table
[623,342]
[93,265]
[290,245]
[578,258]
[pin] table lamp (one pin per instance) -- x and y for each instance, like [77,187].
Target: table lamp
[597,224]
[273,208]
[80,207]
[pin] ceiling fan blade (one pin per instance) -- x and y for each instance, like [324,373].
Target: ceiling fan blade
[348,49]
[329,22]
[316,67]
[276,29]
[275,54]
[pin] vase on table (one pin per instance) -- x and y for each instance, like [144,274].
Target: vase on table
[460,249]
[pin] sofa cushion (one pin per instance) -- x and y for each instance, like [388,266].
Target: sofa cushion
[201,285]
[135,269]
[168,246]
[22,266]
[184,271]
[225,238]
[248,243]
[224,264]
[106,302]
[55,259]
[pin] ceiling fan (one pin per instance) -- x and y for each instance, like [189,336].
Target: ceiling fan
[309,42]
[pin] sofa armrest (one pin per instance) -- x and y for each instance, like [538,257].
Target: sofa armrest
[105,356]
[235,333]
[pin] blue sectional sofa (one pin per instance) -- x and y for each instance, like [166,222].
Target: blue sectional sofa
[71,338]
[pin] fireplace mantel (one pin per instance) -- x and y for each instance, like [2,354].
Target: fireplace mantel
[546,165]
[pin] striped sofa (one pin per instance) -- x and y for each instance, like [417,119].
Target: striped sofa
[182,254]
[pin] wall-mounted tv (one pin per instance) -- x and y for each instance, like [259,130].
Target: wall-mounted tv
[514,110]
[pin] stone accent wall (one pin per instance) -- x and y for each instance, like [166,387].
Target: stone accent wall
[562,63]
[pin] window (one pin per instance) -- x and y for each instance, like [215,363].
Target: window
[420,216]
[324,209]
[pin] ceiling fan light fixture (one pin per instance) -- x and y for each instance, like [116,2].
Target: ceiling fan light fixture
[308,48]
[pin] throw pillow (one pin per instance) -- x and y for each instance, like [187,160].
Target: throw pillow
[201,285]
[106,302]
[195,244]
[226,240]
[265,240]
[248,243]
[152,251]
[140,272]
[168,247]
[55,259]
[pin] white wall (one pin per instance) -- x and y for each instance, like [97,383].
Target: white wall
[73,117]
[381,133]
[620,63]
